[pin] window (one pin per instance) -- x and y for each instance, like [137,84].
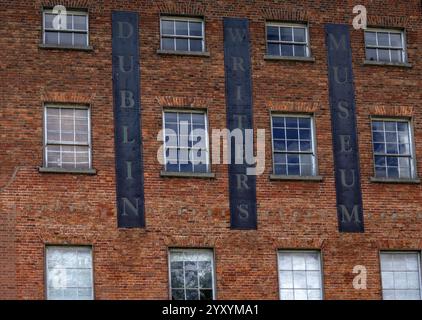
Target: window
[385,45]
[393,151]
[400,275]
[69,273]
[192,274]
[293,145]
[72,34]
[67,137]
[287,40]
[300,275]
[182,34]
[186,142]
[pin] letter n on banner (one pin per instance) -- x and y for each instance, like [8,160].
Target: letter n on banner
[237,62]
[343,121]
[127,120]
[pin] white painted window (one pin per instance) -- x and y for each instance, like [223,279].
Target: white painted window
[287,40]
[300,276]
[186,141]
[69,273]
[393,148]
[182,34]
[191,274]
[293,145]
[67,138]
[73,34]
[401,275]
[385,45]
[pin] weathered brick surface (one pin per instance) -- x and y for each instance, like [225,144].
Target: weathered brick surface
[38,208]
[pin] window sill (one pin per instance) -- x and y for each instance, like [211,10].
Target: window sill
[57,47]
[184,53]
[387,64]
[285,58]
[205,175]
[71,171]
[296,178]
[398,181]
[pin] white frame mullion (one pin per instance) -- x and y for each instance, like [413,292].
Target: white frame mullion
[411,155]
[293,42]
[390,47]
[186,255]
[293,289]
[72,31]
[76,250]
[188,37]
[299,152]
[62,143]
[398,252]
[190,149]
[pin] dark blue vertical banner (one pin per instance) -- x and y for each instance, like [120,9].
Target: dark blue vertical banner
[127,121]
[343,119]
[237,63]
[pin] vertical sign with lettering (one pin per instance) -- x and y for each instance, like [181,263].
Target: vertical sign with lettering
[237,62]
[343,119]
[127,122]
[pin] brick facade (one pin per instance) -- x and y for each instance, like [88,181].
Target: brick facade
[37,209]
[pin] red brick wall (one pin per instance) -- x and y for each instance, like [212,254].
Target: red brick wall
[40,208]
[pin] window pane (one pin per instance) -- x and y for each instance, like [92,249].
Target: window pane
[383,39]
[383,55]
[371,54]
[182,45]
[48,20]
[66,38]
[396,40]
[287,50]
[274,49]
[370,38]
[195,28]
[80,39]
[286,34]
[299,34]
[51,37]
[195,45]
[205,294]
[182,28]
[272,33]
[80,22]
[300,50]
[168,44]
[167,27]
[396,55]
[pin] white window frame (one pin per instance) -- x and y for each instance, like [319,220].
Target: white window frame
[205,113]
[413,169]
[313,137]
[402,252]
[174,36]
[71,31]
[321,271]
[74,247]
[289,25]
[66,106]
[389,31]
[193,251]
